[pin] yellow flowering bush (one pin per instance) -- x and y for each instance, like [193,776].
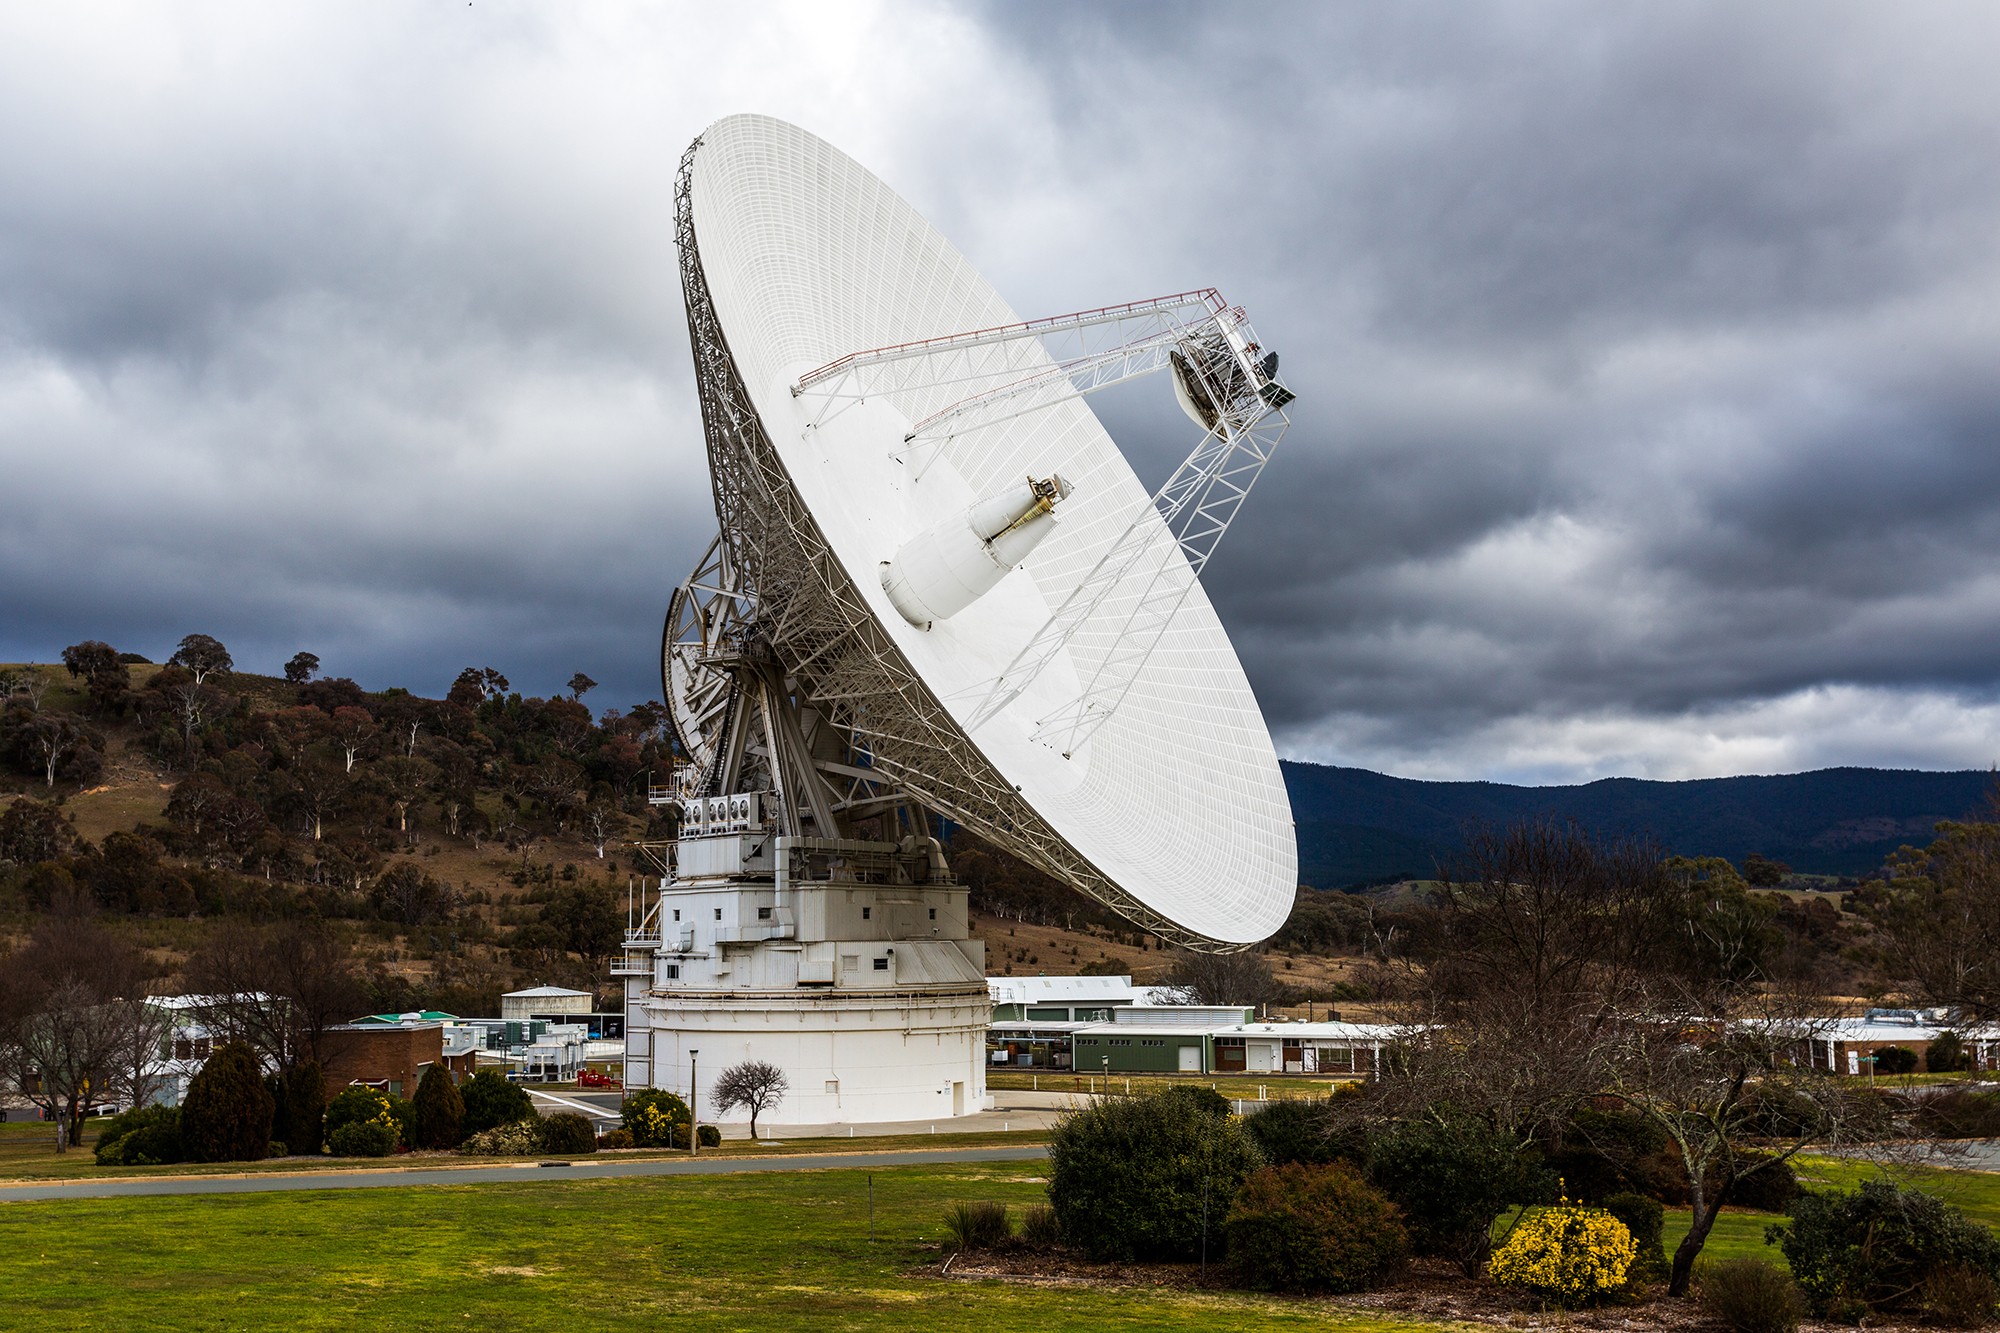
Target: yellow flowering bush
[1567,1255]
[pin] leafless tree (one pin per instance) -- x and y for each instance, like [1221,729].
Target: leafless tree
[75,1023]
[599,820]
[754,1085]
[1715,1083]
[1537,943]
[280,989]
[1221,979]
[1557,968]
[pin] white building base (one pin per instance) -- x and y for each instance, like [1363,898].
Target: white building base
[846,964]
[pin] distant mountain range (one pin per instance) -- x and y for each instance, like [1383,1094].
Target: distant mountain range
[1356,827]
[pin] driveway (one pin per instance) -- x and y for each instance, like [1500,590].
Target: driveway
[516,1173]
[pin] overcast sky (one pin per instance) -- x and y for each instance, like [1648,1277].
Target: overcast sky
[1649,420]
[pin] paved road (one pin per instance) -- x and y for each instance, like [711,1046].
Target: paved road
[513,1173]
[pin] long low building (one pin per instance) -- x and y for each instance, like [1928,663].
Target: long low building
[1107,1025]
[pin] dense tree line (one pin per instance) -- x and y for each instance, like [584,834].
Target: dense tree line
[311,799]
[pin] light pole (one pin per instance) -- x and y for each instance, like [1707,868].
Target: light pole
[694,1108]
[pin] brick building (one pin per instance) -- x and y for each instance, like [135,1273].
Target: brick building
[393,1056]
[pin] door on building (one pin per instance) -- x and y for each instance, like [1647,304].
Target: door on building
[1854,1062]
[1190,1059]
[958,1099]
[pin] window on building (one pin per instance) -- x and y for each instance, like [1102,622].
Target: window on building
[934,914]
[673,971]
[865,911]
[677,914]
[763,914]
[881,965]
[1118,1041]
[718,914]
[850,962]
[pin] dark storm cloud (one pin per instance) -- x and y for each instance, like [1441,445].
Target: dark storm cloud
[1645,358]
[1648,420]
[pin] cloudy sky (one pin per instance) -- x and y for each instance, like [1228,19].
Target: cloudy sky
[1649,418]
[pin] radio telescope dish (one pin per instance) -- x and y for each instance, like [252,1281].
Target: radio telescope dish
[937,580]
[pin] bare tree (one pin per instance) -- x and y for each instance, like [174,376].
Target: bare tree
[29,683]
[1536,943]
[1714,1084]
[1221,979]
[75,1024]
[754,1085]
[279,989]
[194,703]
[600,820]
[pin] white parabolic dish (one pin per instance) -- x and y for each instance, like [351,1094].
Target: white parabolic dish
[1174,808]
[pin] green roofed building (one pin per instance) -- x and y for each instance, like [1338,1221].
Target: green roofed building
[393,1020]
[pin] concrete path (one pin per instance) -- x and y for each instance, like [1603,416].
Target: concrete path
[514,1173]
[1012,1111]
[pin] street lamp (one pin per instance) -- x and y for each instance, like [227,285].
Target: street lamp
[694,1108]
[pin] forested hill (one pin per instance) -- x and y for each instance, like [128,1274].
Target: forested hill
[1358,827]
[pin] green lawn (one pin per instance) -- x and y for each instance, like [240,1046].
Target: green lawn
[736,1252]
[774,1251]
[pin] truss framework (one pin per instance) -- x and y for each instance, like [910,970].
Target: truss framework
[833,654]
[1214,353]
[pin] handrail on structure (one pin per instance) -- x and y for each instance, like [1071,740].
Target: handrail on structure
[1207,296]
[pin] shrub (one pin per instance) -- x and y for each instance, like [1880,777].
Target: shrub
[305,1106]
[1314,1228]
[1146,1177]
[1947,1054]
[1959,1297]
[1960,1113]
[357,1104]
[1770,1185]
[1600,1153]
[1568,1256]
[1874,1250]
[1645,1218]
[1039,1226]
[1895,1060]
[1750,1296]
[566,1132]
[490,1100]
[143,1136]
[651,1116]
[1203,1099]
[226,1115]
[1452,1179]
[977,1226]
[362,1138]
[519,1139]
[1300,1131]
[617,1138]
[709,1136]
[438,1110]
[277,1148]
